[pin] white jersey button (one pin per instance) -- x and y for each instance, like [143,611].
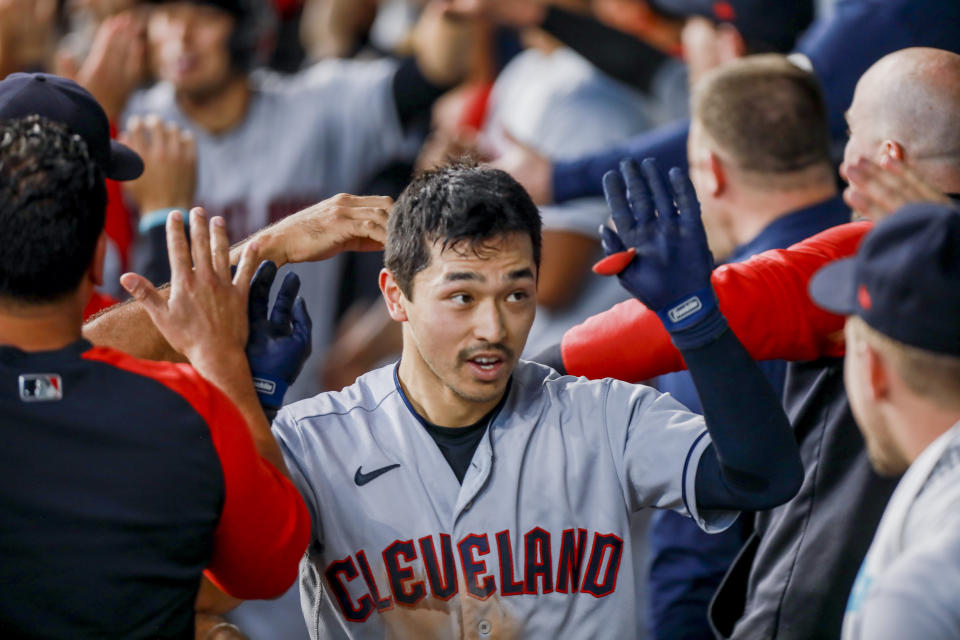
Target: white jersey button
[484,628]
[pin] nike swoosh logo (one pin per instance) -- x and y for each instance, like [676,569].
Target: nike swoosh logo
[362,478]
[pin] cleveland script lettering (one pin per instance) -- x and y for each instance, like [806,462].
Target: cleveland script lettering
[358,594]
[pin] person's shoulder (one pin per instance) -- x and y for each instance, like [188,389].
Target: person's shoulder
[543,383]
[178,378]
[366,396]
[325,75]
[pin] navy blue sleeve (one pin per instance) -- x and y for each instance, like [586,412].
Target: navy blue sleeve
[753,463]
[860,32]
[582,177]
[841,48]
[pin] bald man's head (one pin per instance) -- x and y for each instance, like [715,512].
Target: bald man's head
[908,105]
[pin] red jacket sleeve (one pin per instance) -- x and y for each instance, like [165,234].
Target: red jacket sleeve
[264,525]
[765,301]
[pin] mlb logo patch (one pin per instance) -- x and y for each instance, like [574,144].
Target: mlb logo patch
[40,387]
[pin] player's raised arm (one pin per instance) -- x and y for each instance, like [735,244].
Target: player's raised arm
[660,254]
[764,300]
[341,223]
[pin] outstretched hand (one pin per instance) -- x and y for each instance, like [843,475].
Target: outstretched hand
[279,344]
[205,315]
[670,271]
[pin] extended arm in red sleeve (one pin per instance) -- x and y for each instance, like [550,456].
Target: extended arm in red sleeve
[264,524]
[765,301]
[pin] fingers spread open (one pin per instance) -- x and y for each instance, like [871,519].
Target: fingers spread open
[248,264]
[662,198]
[638,194]
[283,305]
[260,290]
[200,242]
[177,249]
[220,247]
[686,197]
[145,293]
[616,193]
[302,325]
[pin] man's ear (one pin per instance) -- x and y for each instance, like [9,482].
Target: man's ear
[95,271]
[893,149]
[716,175]
[393,296]
[878,373]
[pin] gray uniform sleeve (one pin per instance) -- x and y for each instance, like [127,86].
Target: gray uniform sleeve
[349,104]
[917,597]
[657,444]
[287,432]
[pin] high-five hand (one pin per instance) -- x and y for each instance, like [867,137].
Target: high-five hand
[205,316]
[671,264]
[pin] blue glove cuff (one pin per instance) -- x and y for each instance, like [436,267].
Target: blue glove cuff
[270,390]
[694,320]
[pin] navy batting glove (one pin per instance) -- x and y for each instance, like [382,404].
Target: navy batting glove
[278,345]
[670,271]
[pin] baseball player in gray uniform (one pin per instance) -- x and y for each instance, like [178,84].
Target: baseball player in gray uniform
[462,493]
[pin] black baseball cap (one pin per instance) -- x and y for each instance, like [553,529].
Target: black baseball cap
[766,25]
[905,279]
[66,102]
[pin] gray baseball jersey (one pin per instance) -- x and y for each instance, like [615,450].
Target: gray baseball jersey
[909,584]
[536,541]
[305,137]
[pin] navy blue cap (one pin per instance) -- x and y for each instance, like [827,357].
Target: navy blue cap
[905,279]
[766,25]
[66,102]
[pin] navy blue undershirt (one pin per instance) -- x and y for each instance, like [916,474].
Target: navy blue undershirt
[457,444]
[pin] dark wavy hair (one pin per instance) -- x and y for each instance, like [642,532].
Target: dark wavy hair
[52,206]
[461,203]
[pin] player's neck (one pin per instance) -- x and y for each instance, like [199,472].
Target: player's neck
[754,212]
[42,327]
[218,110]
[919,423]
[434,401]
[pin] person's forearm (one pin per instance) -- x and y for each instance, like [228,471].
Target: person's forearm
[764,299]
[754,462]
[127,327]
[619,55]
[231,374]
[583,176]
